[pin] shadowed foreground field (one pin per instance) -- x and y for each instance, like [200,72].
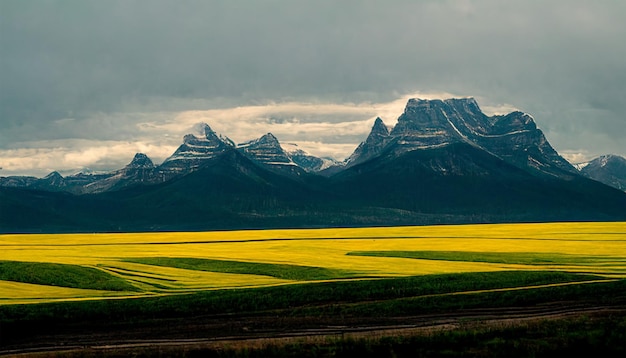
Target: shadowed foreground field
[469,285]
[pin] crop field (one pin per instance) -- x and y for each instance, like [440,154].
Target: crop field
[69,267]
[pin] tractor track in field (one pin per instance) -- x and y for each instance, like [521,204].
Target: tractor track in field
[265,328]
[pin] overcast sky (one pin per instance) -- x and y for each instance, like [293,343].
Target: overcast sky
[89,83]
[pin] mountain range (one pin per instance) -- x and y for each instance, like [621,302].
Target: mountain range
[444,161]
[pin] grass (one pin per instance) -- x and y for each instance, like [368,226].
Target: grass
[63,275]
[281,271]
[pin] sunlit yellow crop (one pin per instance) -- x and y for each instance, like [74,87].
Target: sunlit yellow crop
[325,248]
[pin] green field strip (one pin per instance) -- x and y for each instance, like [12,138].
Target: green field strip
[63,275]
[520,258]
[281,271]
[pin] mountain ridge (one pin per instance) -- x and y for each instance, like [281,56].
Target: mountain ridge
[445,161]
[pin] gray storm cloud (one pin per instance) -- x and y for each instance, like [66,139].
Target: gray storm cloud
[79,72]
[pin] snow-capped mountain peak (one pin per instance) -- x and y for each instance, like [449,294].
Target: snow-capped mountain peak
[268,140]
[267,151]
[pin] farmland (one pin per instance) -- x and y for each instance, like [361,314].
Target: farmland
[168,263]
[324,273]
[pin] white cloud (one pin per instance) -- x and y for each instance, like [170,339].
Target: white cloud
[67,156]
[576,156]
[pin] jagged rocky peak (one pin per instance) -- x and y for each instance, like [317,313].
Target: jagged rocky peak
[54,179]
[514,121]
[141,161]
[373,144]
[266,150]
[267,140]
[199,148]
[417,108]
[53,176]
[206,134]
[424,124]
[379,128]
[422,116]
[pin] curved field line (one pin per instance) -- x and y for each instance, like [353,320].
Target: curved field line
[490,290]
[512,288]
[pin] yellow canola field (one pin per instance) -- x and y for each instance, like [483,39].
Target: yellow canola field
[326,248]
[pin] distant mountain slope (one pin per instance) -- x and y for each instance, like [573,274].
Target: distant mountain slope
[305,160]
[229,191]
[461,178]
[607,169]
[140,170]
